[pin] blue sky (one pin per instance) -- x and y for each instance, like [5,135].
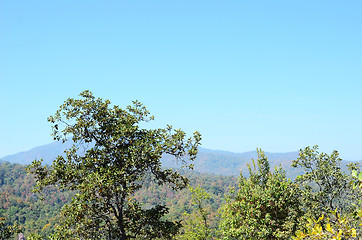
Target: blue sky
[279,75]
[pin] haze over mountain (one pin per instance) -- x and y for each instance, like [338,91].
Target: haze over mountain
[208,161]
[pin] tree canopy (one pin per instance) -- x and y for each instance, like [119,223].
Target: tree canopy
[265,206]
[332,188]
[196,225]
[106,165]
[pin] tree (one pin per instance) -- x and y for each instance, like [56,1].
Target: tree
[196,226]
[332,189]
[335,200]
[106,165]
[265,206]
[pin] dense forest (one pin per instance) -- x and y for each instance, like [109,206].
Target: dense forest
[222,199]
[117,188]
[38,213]
[34,213]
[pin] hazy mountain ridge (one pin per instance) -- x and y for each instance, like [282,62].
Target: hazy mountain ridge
[229,163]
[46,152]
[208,161]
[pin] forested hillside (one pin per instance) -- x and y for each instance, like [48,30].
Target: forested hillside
[35,215]
[19,205]
[38,216]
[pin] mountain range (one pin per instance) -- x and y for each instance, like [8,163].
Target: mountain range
[208,161]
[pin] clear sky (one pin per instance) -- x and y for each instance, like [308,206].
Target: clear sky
[279,75]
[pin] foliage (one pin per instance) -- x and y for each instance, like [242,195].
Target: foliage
[180,202]
[195,224]
[357,179]
[38,217]
[339,228]
[265,206]
[35,236]
[119,156]
[333,188]
[20,205]
[7,231]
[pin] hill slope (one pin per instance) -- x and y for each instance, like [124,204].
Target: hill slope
[208,161]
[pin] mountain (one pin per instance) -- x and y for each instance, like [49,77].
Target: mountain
[230,164]
[46,152]
[208,161]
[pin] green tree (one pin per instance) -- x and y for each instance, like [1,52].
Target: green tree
[110,158]
[324,229]
[325,186]
[265,206]
[335,203]
[8,231]
[196,226]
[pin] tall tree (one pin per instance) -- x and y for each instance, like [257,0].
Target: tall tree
[265,206]
[118,155]
[325,186]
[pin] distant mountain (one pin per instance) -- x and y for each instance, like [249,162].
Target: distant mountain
[230,164]
[46,152]
[208,161]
